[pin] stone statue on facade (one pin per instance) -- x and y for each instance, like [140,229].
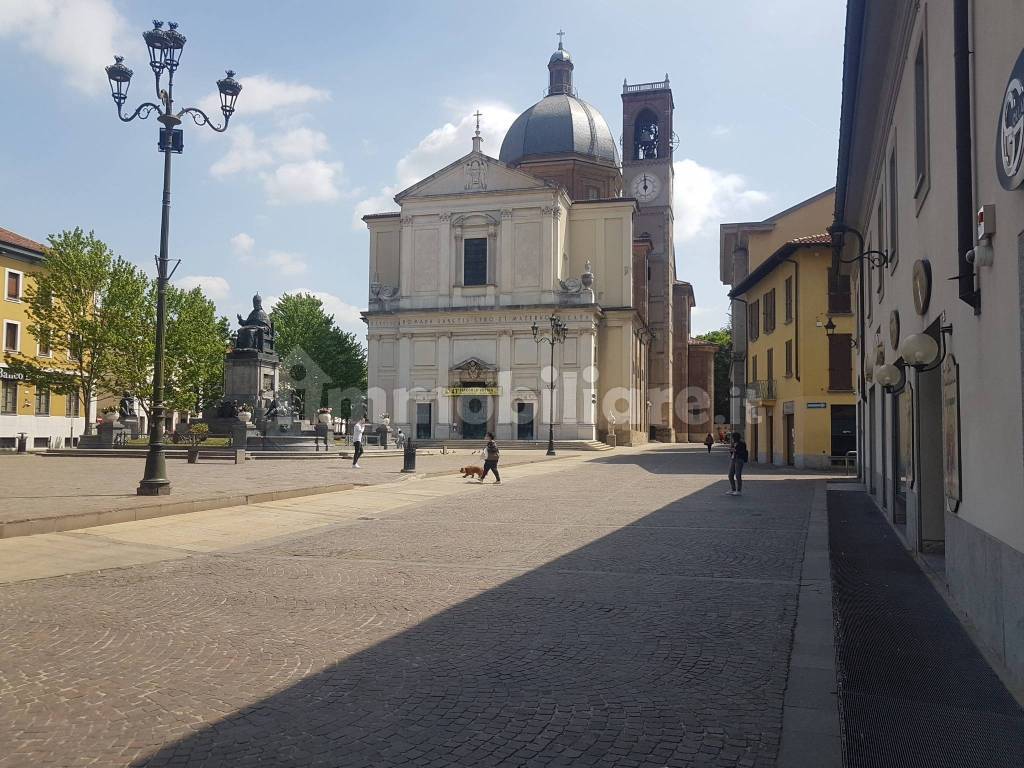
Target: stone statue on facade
[256,331]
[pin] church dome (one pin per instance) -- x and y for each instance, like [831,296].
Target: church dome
[559,124]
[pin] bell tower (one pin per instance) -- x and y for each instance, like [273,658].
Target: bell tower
[647,147]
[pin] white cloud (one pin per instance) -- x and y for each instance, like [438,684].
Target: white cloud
[299,144]
[78,36]
[346,316]
[242,245]
[261,93]
[216,288]
[244,154]
[704,198]
[286,263]
[312,181]
[437,149]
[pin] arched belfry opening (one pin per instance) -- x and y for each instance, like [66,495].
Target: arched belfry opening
[645,136]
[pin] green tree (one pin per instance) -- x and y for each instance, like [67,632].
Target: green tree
[194,347]
[723,366]
[301,322]
[87,305]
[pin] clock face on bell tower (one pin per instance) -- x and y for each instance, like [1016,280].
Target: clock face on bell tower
[645,187]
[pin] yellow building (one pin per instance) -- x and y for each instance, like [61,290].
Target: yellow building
[45,419]
[798,400]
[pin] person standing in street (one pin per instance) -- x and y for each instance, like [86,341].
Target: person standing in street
[357,441]
[739,458]
[709,441]
[491,456]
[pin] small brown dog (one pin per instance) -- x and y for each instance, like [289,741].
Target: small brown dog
[472,472]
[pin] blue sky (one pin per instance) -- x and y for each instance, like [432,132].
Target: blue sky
[346,103]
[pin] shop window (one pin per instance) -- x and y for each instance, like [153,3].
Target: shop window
[8,397]
[42,401]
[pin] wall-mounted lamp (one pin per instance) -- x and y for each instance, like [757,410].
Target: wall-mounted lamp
[923,352]
[830,329]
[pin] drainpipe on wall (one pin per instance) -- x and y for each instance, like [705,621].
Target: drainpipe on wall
[968,291]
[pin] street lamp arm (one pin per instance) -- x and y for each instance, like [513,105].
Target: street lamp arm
[201,118]
[142,112]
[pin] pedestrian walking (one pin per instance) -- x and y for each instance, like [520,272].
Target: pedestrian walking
[357,441]
[739,458]
[709,441]
[491,456]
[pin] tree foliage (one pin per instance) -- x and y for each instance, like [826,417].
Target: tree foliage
[302,323]
[87,306]
[194,347]
[723,367]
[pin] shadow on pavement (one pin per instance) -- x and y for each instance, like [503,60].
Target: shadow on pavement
[623,649]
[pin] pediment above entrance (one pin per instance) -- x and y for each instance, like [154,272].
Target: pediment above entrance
[473,369]
[475,172]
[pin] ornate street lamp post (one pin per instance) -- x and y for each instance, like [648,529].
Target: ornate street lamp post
[165,47]
[555,336]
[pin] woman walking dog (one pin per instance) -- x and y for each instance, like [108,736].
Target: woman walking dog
[491,456]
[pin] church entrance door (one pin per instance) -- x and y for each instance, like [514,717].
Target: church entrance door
[524,421]
[474,413]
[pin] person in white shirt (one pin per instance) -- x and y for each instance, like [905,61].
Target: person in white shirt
[357,441]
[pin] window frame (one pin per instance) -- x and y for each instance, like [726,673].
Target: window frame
[754,320]
[41,394]
[880,229]
[17,345]
[72,405]
[21,285]
[894,210]
[71,350]
[922,139]
[41,351]
[788,300]
[8,385]
[789,358]
[465,246]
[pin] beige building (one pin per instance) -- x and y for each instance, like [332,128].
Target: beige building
[486,248]
[930,205]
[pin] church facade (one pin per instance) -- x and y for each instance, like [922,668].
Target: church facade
[465,278]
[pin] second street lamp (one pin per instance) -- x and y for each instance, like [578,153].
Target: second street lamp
[555,336]
[165,47]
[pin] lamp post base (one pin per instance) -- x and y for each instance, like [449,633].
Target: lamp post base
[153,488]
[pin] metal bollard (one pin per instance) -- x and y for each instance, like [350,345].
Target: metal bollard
[409,457]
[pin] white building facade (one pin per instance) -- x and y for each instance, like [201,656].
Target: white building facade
[931,143]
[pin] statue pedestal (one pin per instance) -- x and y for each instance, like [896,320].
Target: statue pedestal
[248,373]
[113,434]
[131,423]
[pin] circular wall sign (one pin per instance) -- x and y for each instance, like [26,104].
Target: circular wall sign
[894,329]
[922,278]
[1010,131]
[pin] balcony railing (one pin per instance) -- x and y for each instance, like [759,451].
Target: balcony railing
[659,86]
[763,390]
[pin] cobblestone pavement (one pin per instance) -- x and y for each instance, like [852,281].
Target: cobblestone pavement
[87,484]
[621,611]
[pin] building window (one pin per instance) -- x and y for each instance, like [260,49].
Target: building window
[9,404]
[789,359]
[43,345]
[880,222]
[840,363]
[42,401]
[769,311]
[593,193]
[754,320]
[893,210]
[12,336]
[13,285]
[72,405]
[74,347]
[839,293]
[920,120]
[770,360]
[645,136]
[789,299]
[753,368]
[474,266]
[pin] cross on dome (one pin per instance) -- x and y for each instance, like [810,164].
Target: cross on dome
[561,34]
